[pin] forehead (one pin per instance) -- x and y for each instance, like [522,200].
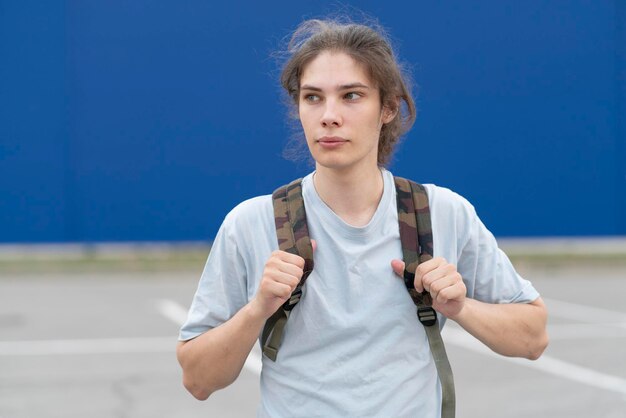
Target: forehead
[333,68]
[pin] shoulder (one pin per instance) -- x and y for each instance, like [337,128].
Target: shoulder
[254,214]
[248,231]
[250,208]
[250,212]
[445,204]
[453,217]
[444,201]
[448,209]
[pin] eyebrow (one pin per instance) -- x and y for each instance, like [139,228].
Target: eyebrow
[339,88]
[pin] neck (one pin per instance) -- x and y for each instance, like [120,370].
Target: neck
[354,196]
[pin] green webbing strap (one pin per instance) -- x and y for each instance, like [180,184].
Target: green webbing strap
[274,331]
[428,317]
[438,350]
[293,236]
[417,247]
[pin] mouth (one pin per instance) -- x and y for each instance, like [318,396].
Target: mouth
[329,140]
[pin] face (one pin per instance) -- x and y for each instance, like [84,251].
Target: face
[340,111]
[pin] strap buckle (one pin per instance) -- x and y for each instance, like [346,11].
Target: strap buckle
[427,316]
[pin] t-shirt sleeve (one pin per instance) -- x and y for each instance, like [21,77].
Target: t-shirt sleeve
[222,290]
[486,269]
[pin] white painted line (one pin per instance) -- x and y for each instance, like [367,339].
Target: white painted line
[172,311]
[254,362]
[584,313]
[178,315]
[585,331]
[88,346]
[457,336]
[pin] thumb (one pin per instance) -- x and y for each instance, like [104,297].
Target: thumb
[398,267]
[314,244]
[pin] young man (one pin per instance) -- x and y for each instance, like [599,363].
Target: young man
[353,345]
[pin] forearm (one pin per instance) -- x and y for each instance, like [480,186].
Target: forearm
[214,359]
[515,329]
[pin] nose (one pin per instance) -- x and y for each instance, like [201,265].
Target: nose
[331,116]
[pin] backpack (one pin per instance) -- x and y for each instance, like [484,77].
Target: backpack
[417,247]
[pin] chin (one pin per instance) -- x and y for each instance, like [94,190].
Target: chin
[333,165]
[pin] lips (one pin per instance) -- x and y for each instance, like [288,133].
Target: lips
[331,140]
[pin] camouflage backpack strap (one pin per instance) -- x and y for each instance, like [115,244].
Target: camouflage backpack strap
[293,237]
[417,247]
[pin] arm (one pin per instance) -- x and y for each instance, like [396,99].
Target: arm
[214,359]
[515,329]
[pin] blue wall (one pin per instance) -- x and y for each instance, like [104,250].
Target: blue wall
[150,120]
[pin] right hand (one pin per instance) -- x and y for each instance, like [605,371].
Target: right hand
[281,275]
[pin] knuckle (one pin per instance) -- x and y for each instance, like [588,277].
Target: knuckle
[285,292]
[273,261]
[300,262]
[436,287]
[427,279]
[269,272]
[300,273]
[420,270]
[293,282]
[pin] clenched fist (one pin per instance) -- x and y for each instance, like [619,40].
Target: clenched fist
[281,275]
[442,281]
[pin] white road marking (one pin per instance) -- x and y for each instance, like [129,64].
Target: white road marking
[254,362]
[585,331]
[584,313]
[88,346]
[457,336]
[178,315]
[172,311]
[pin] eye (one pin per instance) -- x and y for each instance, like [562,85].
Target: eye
[353,95]
[311,98]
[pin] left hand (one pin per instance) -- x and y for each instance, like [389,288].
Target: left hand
[442,281]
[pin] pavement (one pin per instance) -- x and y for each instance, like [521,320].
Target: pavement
[102,344]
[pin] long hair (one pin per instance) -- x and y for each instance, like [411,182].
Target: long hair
[369,46]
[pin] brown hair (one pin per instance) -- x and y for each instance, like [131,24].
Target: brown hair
[368,45]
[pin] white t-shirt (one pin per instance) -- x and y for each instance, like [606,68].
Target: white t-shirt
[353,346]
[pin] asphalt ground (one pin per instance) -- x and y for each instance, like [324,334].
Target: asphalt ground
[101,344]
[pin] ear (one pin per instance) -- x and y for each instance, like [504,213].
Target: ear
[390,113]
